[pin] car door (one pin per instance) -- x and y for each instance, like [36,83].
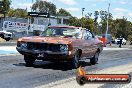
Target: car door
[90,39]
[87,44]
[95,44]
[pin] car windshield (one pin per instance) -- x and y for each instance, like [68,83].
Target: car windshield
[61,32]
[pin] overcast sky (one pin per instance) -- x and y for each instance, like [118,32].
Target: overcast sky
[119,8]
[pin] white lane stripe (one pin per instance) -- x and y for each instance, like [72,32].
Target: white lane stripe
[9,54]
[8,48]
[105,48]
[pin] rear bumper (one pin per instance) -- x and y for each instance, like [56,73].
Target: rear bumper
[46,55]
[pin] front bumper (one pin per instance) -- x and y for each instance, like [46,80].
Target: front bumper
[45,55]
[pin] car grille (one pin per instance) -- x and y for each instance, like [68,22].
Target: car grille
[43,46]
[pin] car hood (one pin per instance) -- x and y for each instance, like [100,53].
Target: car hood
[56,40]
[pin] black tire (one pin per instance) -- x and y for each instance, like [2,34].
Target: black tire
[7,39]
[75,61]
[29,60]
[123,43]
[94,60]
[2,36]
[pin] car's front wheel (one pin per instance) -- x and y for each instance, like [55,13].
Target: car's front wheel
[75,61]
[29,60]
[7,39]
[94,60]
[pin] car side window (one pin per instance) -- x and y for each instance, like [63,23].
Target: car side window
[87,35]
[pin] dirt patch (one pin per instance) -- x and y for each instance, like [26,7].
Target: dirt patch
[2,40]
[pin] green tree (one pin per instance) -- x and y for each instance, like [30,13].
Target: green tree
[87,23]
[74,21]
[123,27]
[44,6]
[117,27]
[1,6]
[11,12]
[103,22]
[20,13]
[63,12]
[5,6]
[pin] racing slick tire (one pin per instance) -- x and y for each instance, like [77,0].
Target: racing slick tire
[94,60]
[74,63]
[7,39]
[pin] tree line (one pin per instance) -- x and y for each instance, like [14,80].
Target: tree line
[96,21]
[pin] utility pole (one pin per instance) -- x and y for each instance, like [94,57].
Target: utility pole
[32,5]
[29,21]
[82,17]
[38,9]
[107,29]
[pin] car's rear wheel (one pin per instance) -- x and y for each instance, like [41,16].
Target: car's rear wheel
[2,36]
[94,60]
[29,60]
[75,61]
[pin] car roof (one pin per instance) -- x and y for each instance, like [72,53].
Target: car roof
[64,27]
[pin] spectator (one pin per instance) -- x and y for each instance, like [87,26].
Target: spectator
[120,43]
[104,40]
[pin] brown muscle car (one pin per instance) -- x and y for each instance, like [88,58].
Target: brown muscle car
[59,43]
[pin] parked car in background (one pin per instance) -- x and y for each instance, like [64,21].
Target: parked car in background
[59,43]
[109,38]
[117,41]
[6,35]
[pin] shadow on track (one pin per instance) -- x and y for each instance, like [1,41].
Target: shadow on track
[63,66]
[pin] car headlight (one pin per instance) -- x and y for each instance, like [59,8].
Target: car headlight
[23,45]
[63,47]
